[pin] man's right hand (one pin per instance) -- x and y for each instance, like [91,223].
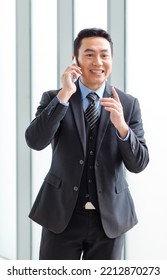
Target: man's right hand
[68,86]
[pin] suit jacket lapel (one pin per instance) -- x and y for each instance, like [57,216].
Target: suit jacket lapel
[76,104]
[104,120]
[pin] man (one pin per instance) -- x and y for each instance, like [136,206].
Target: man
[84,204]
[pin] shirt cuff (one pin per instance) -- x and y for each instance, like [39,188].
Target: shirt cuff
[63,103]
[123,139]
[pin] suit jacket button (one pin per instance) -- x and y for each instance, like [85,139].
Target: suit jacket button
[81,161]
[75,188]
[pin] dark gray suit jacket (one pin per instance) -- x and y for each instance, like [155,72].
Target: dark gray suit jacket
[64,128]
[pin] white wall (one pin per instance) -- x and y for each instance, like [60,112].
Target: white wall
[146,79]
[8,130]
[90,13]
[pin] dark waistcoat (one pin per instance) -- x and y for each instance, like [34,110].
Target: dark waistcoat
[87,190]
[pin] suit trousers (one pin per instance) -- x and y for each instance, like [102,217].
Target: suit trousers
[84,238]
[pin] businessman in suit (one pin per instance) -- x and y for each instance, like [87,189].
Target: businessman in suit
[95,130]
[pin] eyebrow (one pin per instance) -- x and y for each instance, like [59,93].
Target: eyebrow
[91,50]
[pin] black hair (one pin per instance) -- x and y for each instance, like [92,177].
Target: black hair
[91,32]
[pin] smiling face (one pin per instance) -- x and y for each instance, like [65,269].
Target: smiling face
[95,60]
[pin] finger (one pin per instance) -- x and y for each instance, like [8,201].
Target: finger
[115,94]
[76,68]
[105,99]
[74,75]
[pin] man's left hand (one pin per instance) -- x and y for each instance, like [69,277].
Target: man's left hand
[114,106]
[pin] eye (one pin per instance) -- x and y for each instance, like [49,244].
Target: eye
[89,55]
[105,55]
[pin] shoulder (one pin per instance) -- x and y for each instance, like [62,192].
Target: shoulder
[128,101]
[124,97]
[47,96]
[50,94]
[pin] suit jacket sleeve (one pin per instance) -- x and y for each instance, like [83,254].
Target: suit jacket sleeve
[134,151]
[43,128]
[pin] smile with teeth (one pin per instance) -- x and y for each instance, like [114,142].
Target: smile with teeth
[97,71]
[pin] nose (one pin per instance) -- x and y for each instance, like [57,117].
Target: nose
[97,61]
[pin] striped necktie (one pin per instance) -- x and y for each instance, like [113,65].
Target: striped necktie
[91,112]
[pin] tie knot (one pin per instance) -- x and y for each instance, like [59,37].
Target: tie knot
[92,96]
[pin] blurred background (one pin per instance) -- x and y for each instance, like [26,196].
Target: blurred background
[36,40]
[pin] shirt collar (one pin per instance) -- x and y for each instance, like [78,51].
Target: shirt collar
[85,90]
